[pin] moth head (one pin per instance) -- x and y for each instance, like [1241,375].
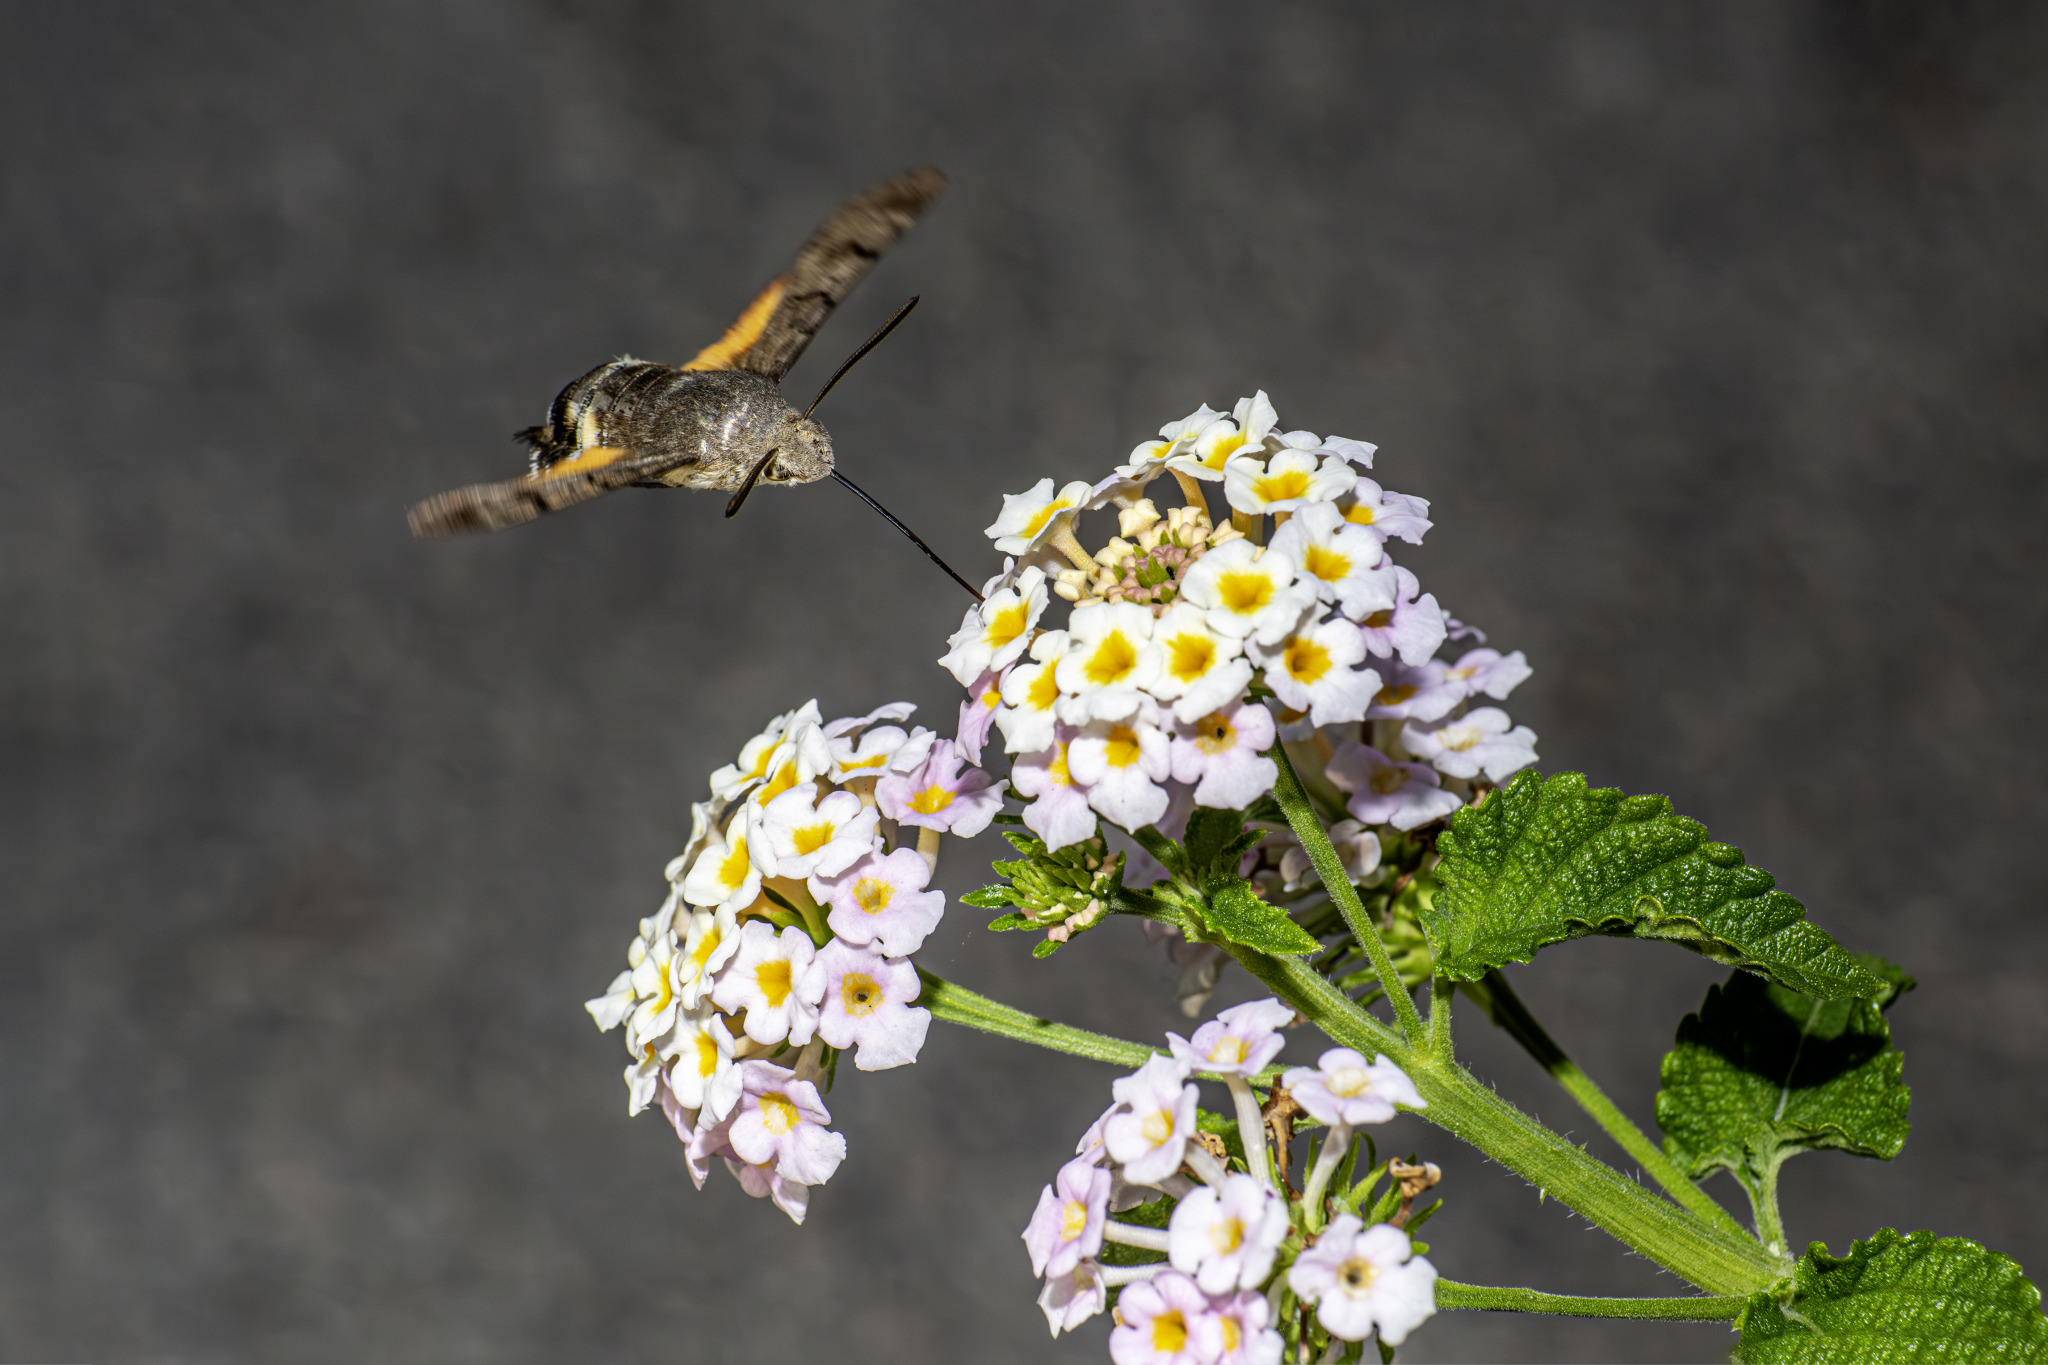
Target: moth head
[804,450]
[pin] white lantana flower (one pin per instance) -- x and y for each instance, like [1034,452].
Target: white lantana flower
[1109,662]
[753,765]
[781,1119]
[1150,1134]
[1311,670]
[995,632]
[653,983]
[1288,482]
[793,837]
[708,931]
[1358,849]
[1241,434]
[1226,1238]
[1031,695]
[1059,812]
[1479,741]
[724,875]
[763,977]
[1175,438]
[1200,669]
[1347,563]
[613,1007]
[1029,517]
[1488,671]
[705,1077]
[1121,764]
[1244,592]
[866,1002]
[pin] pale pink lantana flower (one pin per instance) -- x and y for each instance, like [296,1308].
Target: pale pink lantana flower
[866,1002]
[1398,516]
[1240,1041]
[763,1181]
[1344,1088]
[1243,1330]
[1361,1278]
[1066,1227]
[1059,812]
[978,715]
[938,795]
[1412,628]
[1150,1137]
[781,1119]
[1222,756]
[1491,672]
[882,900]
[1479,741]
[1424,692]
[1165,1322]
[1383,792]
[1071,1299]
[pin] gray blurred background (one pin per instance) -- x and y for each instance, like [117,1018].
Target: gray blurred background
[1714,333]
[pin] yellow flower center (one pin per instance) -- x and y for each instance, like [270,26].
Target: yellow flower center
[1244,593]
[877,761]
[772,977]
[1229,1051]
[706,946]
[1114,658]
[1306,660]
[1380,620]
[931,800]
[784,779]
[663,993]
[1356,1275]
[1073,1220]
[1007,625]
[1057,769]
[1214,734]
[860,994]
[1157,1127]
[808,839]
[1349,1082]
[1122,748]
[1044,690]
[707,1055]
[1359,515]
[1325,563]
[1190,656]
[1292,483]
[991,699]
[732,869]
[1226,1235]
[1393,694]
[1386,781]
[1461,738]
[1225,447]
[1170,1333]
[778,1115]
[1045,514]
[1232,1337]
[873,894]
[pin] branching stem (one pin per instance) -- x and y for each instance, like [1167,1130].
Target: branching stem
[1710,1308]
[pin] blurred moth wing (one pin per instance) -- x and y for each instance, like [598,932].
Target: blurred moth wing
[710,422]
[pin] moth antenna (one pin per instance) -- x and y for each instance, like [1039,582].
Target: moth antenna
[891,518]
[865,347]
[732,508]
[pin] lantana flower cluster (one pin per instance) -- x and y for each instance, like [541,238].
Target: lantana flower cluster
[786,939]
[1193,643]
[1221,1261]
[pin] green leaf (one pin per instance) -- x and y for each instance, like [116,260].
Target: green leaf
[1542,861]
[1234,911]
[1003,924]
[1164,851]
[1893,1298]
[988,898]
[1762,1072]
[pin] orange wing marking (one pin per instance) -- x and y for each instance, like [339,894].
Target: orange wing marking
[741,336]
[594,457]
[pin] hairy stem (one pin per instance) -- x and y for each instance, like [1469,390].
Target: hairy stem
[1703,1253]
[1713,1308]
[1507,1010]
[1301,817]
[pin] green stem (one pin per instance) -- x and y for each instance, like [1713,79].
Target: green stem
[1713,1308]
[1763,1205]
[958,1005]
[1507,1010]
[1703,1253]
[1442,991]
[1301,817]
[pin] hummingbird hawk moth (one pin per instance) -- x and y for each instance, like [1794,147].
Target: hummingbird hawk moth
[719,421]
